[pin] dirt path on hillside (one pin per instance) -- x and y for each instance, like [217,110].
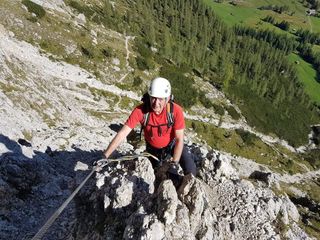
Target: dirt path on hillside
[127,49]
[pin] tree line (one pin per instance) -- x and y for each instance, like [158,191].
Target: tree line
[189,33]
[251,67]
[305,36]
[275,8]
[302,45]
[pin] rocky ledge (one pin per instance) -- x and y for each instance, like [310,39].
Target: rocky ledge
[125,201]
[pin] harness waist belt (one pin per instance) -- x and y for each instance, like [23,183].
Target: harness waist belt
[169,146]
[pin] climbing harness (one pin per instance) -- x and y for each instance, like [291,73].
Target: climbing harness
[161,153]
[146,115]
[96,168]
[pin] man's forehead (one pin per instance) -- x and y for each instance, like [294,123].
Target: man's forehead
[157,98]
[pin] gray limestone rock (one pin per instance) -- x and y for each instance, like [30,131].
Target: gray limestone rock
[167,202]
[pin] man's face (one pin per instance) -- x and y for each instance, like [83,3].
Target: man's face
[157,104]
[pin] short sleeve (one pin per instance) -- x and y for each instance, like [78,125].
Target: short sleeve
[179,122]
[135,117]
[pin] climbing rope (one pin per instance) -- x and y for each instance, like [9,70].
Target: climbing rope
[98,166]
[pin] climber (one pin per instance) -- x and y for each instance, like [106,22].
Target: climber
[162,123]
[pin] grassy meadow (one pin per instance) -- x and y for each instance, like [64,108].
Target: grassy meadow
[246,13]
[308,76]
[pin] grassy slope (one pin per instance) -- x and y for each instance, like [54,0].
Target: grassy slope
[249,147]
[308,74]
[315,24]
[234,15]
[248,14]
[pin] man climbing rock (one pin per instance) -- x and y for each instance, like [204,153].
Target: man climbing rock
[162,123]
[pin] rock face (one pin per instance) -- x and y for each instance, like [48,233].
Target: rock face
[32,188]
[215,205]
[122,200]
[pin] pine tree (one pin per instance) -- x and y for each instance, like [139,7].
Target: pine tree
[167,47]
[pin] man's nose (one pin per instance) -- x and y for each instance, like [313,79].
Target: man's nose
[155,100]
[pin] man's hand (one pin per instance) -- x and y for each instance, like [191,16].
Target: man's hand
[105,155]
[174,161]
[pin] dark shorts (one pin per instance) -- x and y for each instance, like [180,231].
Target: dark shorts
[186,161]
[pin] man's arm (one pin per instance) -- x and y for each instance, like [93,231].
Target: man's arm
[121,135]
[178,146]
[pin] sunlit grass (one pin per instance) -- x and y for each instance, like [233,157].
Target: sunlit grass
[308,76]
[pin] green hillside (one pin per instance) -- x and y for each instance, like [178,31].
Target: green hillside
[235,15]
[307,73]
[315,23]
[249,14]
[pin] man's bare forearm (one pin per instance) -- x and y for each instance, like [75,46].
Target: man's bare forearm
[177,151]
[178,146]
[121,135]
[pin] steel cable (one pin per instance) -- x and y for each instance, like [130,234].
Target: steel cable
[98,167]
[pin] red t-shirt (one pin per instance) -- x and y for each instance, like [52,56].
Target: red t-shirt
[151,134]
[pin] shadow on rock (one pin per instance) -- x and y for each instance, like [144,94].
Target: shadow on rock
[115,127]
[32,188]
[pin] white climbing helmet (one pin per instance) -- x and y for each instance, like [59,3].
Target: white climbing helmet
[160,88]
